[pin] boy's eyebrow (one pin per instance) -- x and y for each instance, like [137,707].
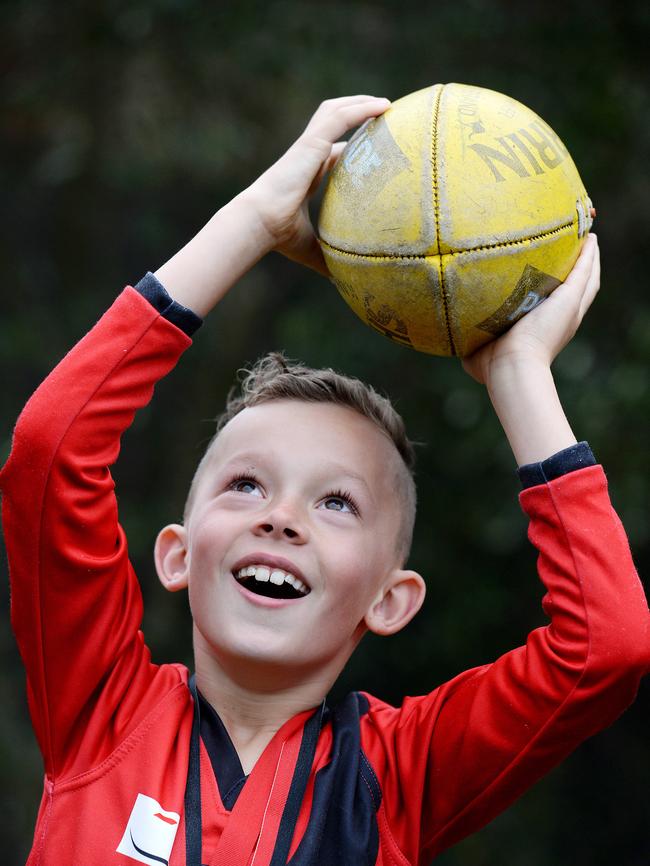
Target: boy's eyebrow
[333,466]
[340,469]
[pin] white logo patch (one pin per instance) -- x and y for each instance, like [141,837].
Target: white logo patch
[150,832]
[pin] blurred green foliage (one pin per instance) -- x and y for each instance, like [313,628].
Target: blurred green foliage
[126,124]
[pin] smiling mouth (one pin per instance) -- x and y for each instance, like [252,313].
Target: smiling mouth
[271,582]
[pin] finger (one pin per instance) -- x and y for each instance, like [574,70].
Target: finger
[333,120]
[593,284]
[328,165]
[337,150]
[311,256]
[332,104]
[572,291]
[580,273]
[584,279]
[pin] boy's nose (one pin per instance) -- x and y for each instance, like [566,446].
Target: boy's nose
[280,523]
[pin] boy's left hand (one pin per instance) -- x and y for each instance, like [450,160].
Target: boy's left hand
[542,333]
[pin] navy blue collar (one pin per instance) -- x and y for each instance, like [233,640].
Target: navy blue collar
[232,778]
[226,765]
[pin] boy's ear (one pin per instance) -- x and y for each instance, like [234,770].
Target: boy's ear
[401,598]
[170,554]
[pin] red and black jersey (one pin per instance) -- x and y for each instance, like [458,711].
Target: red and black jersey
[359,783]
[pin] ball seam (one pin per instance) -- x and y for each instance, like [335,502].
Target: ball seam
[434,166]
[422,256]
[436,216]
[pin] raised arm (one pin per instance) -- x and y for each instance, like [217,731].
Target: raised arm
[471,747]
[454,759]
[76,604]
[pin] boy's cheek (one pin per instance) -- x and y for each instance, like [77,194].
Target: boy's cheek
[208,544]
[349,600]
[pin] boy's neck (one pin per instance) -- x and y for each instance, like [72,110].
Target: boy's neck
[254,704]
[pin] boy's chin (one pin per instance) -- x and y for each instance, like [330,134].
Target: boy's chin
[288,658]
[276,658]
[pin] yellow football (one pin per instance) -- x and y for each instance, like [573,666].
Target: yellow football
[450,216]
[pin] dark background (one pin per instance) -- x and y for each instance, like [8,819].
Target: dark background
[125,125]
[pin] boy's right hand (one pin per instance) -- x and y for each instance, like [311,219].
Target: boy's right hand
[280,196]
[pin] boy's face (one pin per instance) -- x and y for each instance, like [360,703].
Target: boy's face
[302,488]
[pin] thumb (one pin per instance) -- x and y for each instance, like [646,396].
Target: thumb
[328,165]
[302,245]
[311,256]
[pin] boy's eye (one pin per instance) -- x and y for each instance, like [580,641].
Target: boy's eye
[245,485]
[336,504]
[340,502]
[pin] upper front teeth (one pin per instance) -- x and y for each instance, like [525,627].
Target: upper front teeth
[262,573]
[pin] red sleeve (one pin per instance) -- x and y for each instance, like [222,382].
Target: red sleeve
[76,606]
[451,761]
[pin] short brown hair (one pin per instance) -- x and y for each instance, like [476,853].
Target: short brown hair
[275,377]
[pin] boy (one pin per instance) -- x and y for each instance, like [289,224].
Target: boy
[293,545]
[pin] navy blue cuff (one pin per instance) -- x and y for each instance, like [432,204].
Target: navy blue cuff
[154,291]
[575,457]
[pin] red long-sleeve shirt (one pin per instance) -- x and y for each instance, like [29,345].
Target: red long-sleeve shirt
[386,785]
